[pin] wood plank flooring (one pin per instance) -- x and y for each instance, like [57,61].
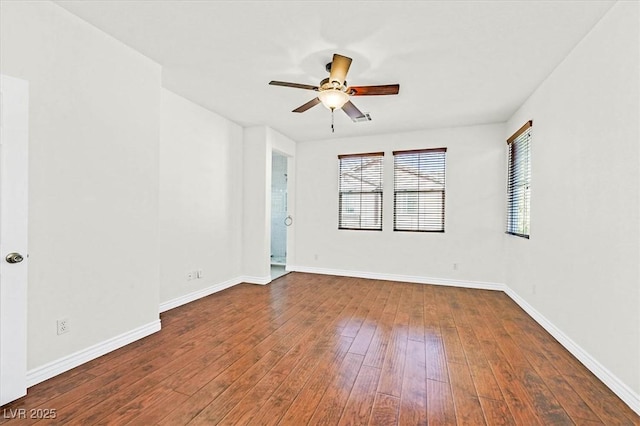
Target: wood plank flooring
[323,350]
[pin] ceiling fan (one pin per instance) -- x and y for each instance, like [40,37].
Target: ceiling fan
[334,93]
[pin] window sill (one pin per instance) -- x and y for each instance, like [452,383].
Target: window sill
[515,234]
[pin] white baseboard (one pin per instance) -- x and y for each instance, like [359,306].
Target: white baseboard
[618,387]
[623,391]
[402,278]
[47,371]
[256,280]
[66,363]
[179,301]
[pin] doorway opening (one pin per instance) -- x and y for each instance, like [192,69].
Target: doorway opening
[280,219]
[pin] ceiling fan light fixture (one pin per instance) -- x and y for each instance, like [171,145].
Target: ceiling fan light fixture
[333,98]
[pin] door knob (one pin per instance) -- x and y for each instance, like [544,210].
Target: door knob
[14,258]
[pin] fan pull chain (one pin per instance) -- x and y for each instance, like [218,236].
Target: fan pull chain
[333,130]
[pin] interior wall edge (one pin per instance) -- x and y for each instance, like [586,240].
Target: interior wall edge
[478,285]
[617,386]
[198,294]
[68,362]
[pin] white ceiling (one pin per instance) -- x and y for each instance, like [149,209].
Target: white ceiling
[457,62]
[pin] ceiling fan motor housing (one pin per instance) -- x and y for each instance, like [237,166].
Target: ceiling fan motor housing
[325,84]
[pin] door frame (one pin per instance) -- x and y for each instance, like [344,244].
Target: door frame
[14,159]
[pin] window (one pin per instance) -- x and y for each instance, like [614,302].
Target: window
[519,182]
[360,199]
[419,187]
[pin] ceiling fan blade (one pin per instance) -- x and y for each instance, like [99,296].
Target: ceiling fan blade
[352,111]
[294,85]
[387,89]
[308,105]
[339,68]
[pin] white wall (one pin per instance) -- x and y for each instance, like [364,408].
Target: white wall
[256,201]
[475,184]
[580,267]
[200,197]
[93,178]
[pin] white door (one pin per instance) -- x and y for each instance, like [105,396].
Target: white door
[14,105]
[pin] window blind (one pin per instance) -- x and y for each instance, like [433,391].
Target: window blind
[419,190]
[519,182]
[360,191]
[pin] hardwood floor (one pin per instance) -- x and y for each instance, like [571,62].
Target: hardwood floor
[314,349]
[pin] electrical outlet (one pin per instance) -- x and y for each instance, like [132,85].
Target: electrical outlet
[63,326]
[190,275]
[199,273]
